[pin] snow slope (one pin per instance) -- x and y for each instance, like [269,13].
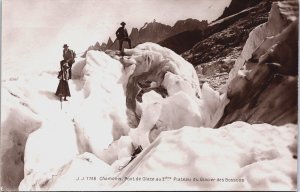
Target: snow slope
[87,144]
[240,155]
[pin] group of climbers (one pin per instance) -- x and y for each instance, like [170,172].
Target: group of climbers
[65,73]
[69,55]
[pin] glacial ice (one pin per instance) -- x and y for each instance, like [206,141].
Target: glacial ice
[89,140]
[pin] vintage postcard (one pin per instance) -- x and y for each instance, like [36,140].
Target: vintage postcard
[163,95]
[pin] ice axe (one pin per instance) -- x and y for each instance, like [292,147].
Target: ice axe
[60,98]
[60,90]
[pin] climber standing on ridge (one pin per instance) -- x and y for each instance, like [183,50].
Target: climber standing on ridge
[122,35]
[69,57]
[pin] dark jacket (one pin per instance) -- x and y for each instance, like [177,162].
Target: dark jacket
[121,33]
[69,55]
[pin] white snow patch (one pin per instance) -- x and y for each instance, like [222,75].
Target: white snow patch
[240,155]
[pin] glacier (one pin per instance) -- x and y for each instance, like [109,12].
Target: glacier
[87,145]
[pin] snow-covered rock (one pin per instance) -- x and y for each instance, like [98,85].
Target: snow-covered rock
[262,86]
[224,37]
[276,23]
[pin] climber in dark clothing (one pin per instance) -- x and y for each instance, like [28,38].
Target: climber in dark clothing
[63,86]
[69,57]
[122,35]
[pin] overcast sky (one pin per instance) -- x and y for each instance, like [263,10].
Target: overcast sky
[44,25]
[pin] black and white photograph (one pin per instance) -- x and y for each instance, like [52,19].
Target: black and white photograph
[139,95]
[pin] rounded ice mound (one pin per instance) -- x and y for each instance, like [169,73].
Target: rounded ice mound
[163,93]
[152,62]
